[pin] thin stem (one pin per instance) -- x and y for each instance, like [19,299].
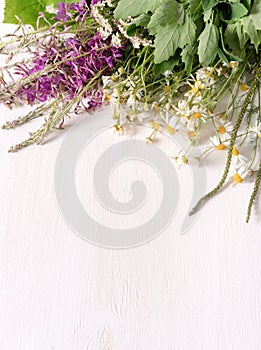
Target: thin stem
[239,120]
[254,193]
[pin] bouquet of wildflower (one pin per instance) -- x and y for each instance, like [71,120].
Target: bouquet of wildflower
[165,62]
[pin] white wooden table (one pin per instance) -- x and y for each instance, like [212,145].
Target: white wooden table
[197,291]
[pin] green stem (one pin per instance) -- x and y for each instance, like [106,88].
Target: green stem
[254,193]
[240,118]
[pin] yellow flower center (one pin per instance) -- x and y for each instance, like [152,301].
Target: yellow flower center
[222,129]
[195,89]
[107,97]
[118,128]
[167,89]
[197,115]
[156,107]
[199,85]
[184,160]
[155,125]
[259,135]
[238,179]
[243,87]
[235,152]
[191,134]
[170,129]
[233,64]
[221,147]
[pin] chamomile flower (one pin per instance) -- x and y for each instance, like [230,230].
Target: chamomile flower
[181,159]
[238,175]
[218,144]
[256,129]
[119,129]
[224,129]
[238,158]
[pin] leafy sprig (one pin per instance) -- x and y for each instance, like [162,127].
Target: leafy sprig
[196,31]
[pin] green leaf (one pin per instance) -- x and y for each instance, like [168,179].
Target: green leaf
[135,8]
[255,14]
[196,9]
[142,20]
[238,10]
[233,39]
[247,4]
[249,28]
[162,67]
[166,43]
[187,57]
[131,29]
[194,5]
[170,11]
[171,37]
[222,56]
[209,4]
[207,15]
[230,55]
[208,44]
[26,10]
[241,34]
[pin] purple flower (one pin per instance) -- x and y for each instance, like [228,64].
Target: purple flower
[77,60]
[62,14]
[94,2]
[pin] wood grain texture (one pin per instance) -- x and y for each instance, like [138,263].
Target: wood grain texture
[178,292]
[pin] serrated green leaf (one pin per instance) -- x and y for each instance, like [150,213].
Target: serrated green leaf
[142,21]
[231,38]
[208,44]
[162,67]
[255,14]
[247,4]
[166,43]
[27,11]
[135,8]
[169,11]
[209,4]
[187,57]
[207,15]
[222,56]
[171,37]
[230,55]
[249,28]
[241,34]
[238,10]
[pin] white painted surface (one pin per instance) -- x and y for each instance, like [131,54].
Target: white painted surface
[57,292]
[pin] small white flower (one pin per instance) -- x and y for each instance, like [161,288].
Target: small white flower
[224,129]
[115,40]
[181,159]
[106,81]
[238,175]
[218,144]
[256,129]
[168,73]
[238,158]
[50,9]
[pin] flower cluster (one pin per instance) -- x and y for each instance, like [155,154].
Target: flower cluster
[88,58]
